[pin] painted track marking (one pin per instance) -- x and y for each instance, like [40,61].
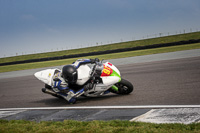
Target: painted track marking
[9,113]
[107,107]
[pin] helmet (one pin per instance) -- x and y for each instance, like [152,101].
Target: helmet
[69,73]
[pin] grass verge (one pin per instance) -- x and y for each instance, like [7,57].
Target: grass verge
[71,126]
[145,42]
[106,56]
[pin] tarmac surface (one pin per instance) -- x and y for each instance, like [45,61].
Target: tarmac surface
[157,81]
[171,82]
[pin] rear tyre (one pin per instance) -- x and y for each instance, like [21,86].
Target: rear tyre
[124,87]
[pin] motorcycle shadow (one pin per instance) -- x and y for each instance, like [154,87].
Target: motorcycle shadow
[52,102]
[95,99]
[82,100]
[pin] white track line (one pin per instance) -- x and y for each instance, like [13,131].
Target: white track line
[106,107]
[9,113]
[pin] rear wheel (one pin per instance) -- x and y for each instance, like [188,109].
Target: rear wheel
[124,87]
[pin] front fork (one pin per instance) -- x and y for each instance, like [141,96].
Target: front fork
[115,88]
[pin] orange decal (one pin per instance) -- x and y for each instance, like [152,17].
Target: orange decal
[107,71]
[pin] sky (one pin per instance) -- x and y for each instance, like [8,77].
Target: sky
[35,26]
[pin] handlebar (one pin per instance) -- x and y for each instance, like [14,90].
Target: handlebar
[97,67]
[96,61]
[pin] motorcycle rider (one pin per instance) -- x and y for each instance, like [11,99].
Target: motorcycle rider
[65,81]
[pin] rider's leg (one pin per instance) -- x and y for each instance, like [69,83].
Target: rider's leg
[71,95]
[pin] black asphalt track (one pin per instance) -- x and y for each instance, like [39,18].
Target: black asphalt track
[171,82]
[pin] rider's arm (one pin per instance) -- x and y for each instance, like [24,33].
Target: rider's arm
[58,84]
[87,61]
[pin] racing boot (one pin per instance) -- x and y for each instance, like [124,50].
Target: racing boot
[68,95]
[71,95]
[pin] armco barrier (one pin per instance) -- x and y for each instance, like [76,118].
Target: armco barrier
[102,52]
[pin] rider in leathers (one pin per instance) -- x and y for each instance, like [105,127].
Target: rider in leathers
[65,81]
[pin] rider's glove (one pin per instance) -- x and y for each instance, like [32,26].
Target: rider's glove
[94,60]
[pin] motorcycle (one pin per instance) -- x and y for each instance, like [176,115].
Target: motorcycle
[110,80]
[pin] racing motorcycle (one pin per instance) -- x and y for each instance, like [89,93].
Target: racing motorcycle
[110,80]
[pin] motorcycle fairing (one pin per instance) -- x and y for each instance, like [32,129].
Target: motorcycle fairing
[113,71]
[83,74]
[46,76]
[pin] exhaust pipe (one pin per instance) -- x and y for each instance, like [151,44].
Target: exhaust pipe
[45,90]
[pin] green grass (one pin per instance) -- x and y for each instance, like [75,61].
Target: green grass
[159,40]
[115,126]
[106,56]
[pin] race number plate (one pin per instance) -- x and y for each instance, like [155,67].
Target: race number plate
[107,71]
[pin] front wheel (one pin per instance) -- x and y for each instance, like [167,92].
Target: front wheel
[124,87]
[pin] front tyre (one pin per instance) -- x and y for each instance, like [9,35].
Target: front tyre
[124,87]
